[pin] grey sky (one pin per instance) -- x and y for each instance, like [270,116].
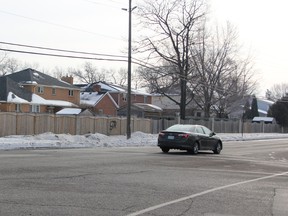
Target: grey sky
[100,26]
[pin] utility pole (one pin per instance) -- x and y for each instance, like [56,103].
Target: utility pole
[128,130]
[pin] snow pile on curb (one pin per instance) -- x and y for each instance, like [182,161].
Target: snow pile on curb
[50,140]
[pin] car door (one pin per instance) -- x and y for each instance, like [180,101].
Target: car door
[209,140]
[201,137]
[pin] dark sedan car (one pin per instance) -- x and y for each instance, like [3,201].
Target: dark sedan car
[191,138]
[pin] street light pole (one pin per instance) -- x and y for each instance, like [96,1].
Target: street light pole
[128,129]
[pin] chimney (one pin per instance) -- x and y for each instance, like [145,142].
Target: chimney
[96,88]
[68,79]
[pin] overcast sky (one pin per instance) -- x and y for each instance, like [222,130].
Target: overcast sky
[100,26]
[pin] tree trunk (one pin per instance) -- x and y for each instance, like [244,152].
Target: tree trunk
[183,99]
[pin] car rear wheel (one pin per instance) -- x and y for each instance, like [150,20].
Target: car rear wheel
[218,148]
[165,150]
[195,149]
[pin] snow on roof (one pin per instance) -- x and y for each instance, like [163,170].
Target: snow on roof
[155,107]
[265,119]
[266,101]
[29,82]
[262,111]
[149,106]
[117,88]
[12,98]
[90,98]
[36,99]
[69,111]
[59,103]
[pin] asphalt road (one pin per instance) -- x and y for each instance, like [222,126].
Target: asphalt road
[248,178]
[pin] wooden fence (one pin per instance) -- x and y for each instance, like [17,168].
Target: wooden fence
[30,124]
[223,125]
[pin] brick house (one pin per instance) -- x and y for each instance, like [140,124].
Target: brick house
[107,99]
[32,91]
[99,103]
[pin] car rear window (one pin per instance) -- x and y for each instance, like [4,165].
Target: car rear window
[190,128]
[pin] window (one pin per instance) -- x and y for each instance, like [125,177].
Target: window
[198,114]
[206,130]
[145,99]
[199,130]
[71,93]
[53,91]
[18,107]
[124,97]
[40,89]
[35,108]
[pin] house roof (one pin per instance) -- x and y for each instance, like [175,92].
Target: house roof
[30,76]
[10,89]
[93,98]
[143,107]
[69,111]
[109,87]
[74,111]
[12,92]
[147,107]
[166,103]
[37,100]
[264,119]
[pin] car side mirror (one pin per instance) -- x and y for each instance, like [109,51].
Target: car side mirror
[212,134]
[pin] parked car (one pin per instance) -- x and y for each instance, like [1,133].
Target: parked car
[191,138]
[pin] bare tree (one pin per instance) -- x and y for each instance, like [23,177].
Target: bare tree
[89,74]
[3,64]
[59,72]
[165,81]
[223,76]
[277,91]
[8,65]
[173,23]
[34,65]
[119,77]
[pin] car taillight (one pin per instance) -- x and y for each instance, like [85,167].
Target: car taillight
[183,135]
[161,134]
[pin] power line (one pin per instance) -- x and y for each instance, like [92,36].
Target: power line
[106,5]
[97,59]
[64,56]
[73,57]
[60,25]
[135,60]
[61,50]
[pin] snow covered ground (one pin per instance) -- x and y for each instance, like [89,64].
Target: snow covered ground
[50,140]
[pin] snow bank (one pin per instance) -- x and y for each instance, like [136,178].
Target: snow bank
[50,140]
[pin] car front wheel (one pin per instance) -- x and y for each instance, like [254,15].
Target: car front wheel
[218,148]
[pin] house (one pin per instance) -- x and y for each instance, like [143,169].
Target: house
[238,108]
[171,109]
[99,103]
[263,106]
[142,110]
[32,91]
[105,99]
[118,93]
